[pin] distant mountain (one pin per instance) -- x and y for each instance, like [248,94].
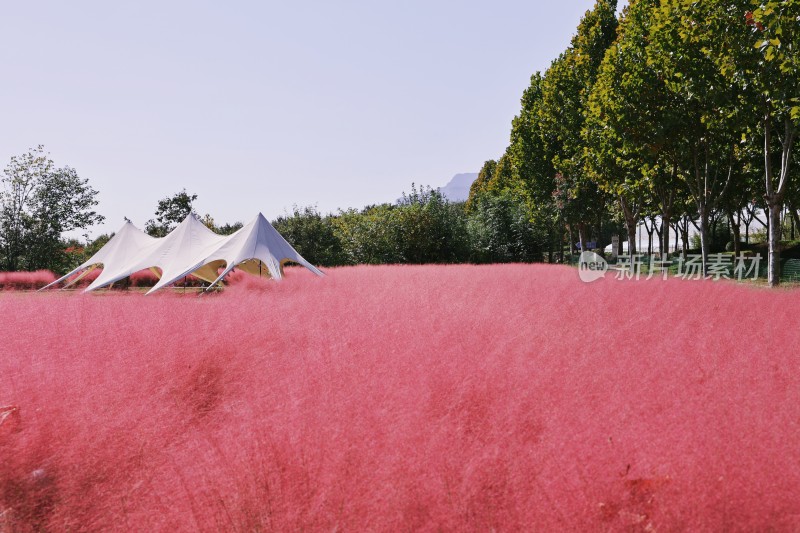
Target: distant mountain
[457,189]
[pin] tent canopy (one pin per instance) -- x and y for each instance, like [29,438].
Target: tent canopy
[120,249]
[191,248]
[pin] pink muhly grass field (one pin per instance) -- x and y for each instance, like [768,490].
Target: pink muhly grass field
[404,398]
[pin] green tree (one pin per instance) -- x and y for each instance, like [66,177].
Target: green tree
[770,80]
[501,230]
[369,236]
[38,203]
[704,117]
[430,228]
[566,88]
[630,151]
[312,235]
[530,151]
[223,229]
[481,184]
[169,213]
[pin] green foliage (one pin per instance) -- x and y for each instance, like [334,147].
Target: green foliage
[625,128]
[224,229]
[775,28]
[501,231]
[38,203]
[566,90]
[541,176]
[370,236]
[169,213]
[312,235]
[432,229]
[530,150]
[422,228]
[94,246]
[481,184]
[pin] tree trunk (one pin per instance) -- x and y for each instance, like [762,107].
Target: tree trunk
[795,219]
[775,193]
[747,232]
[677,234]
[631,218]
[713,234]
[665,225]
[704,238]
[599,230]
[630,226]
[766,212]
[774,253]
[582,236]
[736,232]
[685,236]
[571,241]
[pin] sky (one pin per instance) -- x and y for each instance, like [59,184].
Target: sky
[260,106]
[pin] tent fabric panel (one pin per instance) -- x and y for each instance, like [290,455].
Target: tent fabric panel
[254,268]
[81,276]
[118,250]
[208,272]
[64,277]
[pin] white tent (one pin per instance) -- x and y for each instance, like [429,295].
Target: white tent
[118,251]
[257,244]
[192,248]
[190,240]
[256,248]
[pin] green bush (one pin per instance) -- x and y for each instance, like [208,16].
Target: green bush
[312,235]
[501,231]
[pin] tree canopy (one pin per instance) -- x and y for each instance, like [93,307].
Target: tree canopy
[38,203]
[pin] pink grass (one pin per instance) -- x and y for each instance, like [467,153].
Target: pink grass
[142,278]
[404,398]
[13,281]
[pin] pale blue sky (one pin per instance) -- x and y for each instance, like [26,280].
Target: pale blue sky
[256,106]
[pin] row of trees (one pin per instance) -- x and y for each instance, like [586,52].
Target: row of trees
[423,227]
[680,111]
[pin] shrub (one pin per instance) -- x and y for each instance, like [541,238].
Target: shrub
[312,235]
[501,231]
